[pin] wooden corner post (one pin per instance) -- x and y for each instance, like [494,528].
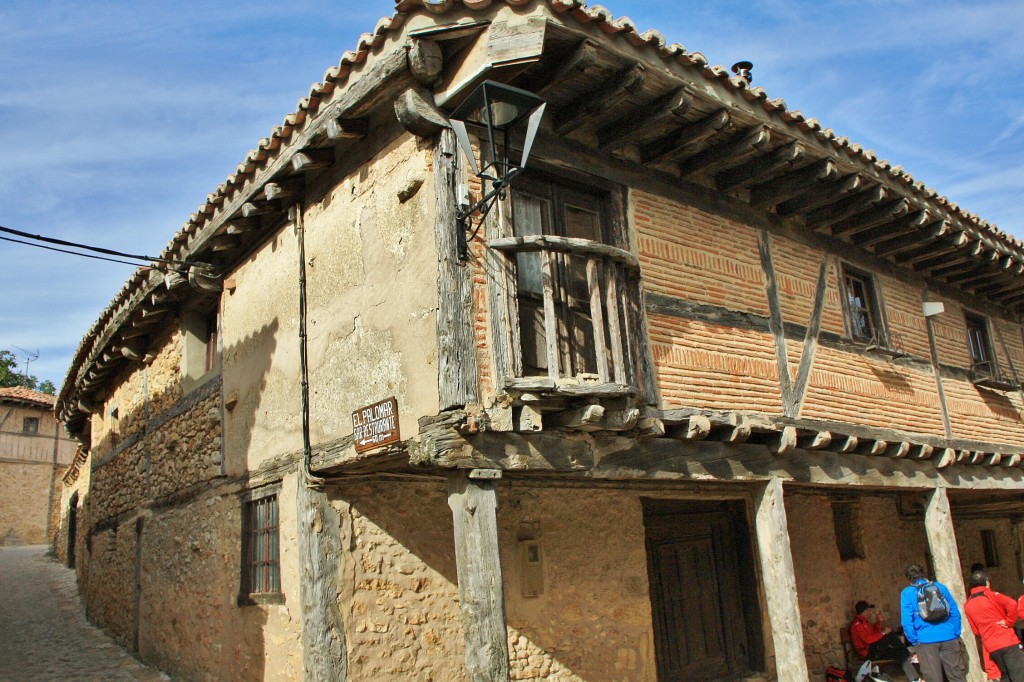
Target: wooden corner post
[779,583]
[324,654]
[474,504]
[938,525]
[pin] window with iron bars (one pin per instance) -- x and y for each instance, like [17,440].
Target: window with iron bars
[261,565]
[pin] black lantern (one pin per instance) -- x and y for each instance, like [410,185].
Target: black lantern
[494,112]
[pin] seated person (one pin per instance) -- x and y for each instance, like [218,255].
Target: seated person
[873,640]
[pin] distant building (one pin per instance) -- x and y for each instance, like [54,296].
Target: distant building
[33,449]
[708,375]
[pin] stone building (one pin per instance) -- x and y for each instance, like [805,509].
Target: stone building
[708,375]
[34,451]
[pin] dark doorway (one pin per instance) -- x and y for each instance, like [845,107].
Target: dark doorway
[72,528]
[703,590]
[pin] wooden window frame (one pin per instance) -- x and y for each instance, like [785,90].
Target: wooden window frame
[978,335]
[250,593]
[30,425]
[872,307]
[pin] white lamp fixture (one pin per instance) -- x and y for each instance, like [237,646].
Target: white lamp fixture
[495,112]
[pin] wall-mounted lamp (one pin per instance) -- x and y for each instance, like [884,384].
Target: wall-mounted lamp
[494,112]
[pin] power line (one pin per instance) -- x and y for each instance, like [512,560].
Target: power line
[97,249]
[74,253]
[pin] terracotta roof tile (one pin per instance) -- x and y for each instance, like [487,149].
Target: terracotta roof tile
[27,395]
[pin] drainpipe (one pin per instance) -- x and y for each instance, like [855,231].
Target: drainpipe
[307,451]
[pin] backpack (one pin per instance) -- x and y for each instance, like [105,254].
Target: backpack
[931,605]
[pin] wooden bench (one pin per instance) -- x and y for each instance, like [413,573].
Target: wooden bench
[853,659]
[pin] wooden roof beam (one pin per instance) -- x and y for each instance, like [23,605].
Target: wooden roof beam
[895,247]
[816,197]
[312,159]
[828,215]
[961,265]
[347,128]
[963,255]
[605,97]
[695,133]
[884,214]
[728,153]
[663,112]
[570,69]
[1003,287]
[763,168]
[776,191]
[984,276]
[908,225]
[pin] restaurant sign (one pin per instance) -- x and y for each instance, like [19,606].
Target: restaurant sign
[375,425]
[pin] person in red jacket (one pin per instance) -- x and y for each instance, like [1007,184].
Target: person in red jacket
[991,616]
[871,639]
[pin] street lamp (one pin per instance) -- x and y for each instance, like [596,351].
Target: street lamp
[494,111]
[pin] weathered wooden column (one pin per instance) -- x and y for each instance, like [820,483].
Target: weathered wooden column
[780,583]
[474,504]
[323,632]
[938,526]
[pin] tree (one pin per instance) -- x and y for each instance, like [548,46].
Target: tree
[10,376]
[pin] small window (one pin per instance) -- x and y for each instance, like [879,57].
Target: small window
[977,340]
[30,425]
[210,341]
[849,540]
[261,562]
[861,306]
[199,359]
[988,546]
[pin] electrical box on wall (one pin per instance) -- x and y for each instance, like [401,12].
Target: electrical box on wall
[531,568]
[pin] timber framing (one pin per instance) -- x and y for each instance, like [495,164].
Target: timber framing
[697,445]
[658,108]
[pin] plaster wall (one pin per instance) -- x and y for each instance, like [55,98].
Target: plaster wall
[24,499]
[371,272]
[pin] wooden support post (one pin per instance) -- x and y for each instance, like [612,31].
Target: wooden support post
[938,526]
[323,631]
[474,504]
[457,363]
[780,583]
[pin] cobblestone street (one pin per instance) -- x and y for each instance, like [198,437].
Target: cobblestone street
[45,633]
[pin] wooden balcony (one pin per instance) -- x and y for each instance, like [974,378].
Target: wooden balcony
[578,326]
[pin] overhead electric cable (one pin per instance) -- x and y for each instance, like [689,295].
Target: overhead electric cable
[97,249]
[74,253]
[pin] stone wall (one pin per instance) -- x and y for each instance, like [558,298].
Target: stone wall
[190,622]
[24,501]
[593,621]
[398,590]
[828,587]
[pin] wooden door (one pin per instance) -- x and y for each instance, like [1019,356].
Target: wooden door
[702,601]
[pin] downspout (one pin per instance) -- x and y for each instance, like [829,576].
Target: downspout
[307,451]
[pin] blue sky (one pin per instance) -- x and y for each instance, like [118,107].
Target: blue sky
[117,118]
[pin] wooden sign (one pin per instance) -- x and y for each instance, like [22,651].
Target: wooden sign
[375,425]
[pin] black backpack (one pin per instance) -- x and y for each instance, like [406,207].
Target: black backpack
[931,605]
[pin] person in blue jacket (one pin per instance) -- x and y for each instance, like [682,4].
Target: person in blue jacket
[937,644]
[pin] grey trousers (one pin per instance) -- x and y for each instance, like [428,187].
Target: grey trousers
[941,657]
